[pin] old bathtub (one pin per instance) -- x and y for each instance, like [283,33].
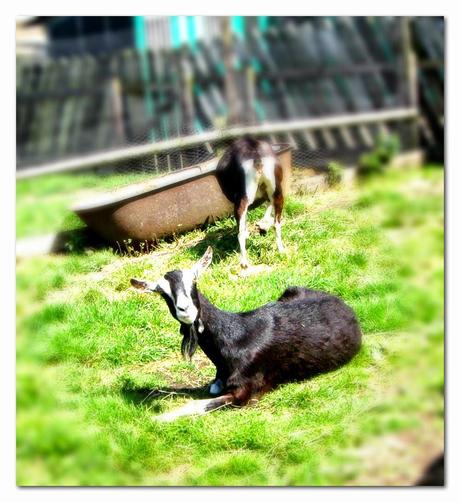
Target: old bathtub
[166,205]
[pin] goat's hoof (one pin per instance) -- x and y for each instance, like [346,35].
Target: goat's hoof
[264,225]
[262,230]
[244,264]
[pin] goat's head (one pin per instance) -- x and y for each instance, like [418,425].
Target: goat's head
[178,288]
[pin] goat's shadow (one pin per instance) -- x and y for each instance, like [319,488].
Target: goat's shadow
[221,235]
[224,241]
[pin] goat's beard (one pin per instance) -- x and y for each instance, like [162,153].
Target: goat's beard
[189,340]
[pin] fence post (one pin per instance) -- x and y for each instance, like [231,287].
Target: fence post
[186,91]
[409,64]
[231,91]
[410,77]
[250,95]
[116,102]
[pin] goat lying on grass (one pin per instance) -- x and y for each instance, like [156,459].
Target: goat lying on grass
[301,335]
[250,170]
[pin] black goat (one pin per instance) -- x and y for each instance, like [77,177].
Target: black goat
[250,170]
[301,335]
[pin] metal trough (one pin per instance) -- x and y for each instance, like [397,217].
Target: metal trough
[165,205]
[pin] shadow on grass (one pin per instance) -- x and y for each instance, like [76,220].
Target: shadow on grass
[153,398]
[224,242]
[77,241]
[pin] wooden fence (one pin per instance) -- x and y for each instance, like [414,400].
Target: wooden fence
[428,40]
[72,107]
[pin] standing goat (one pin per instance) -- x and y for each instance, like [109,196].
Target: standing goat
[303,334]
[250,170]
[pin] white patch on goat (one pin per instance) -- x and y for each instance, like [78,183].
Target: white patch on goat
[164,285]
[279,242]
[199,407]
[251,180]
[251,183]
[269,179]
[267,221]
[242,236]
[188,278]
[268,175]
[192,408]
[186,310]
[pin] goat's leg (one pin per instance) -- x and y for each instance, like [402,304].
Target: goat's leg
[241,209]
[216,387]
[267,221]
[218,384]
[197,407]
[278,202]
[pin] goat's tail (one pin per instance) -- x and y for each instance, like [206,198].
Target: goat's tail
[197,407]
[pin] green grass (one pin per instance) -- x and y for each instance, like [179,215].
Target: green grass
[42,204]
[90,351]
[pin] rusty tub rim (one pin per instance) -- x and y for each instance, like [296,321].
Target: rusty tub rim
[124,193]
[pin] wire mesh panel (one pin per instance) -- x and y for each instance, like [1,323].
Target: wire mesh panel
[296,69]
[428,39]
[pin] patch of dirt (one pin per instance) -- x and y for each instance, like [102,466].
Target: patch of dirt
[421,186]
[176,372]
[329,200]
[302,174]
[253,270]
[158,257]
[84,282]
[399,459]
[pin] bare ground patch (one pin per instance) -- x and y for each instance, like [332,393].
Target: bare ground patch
[399,459]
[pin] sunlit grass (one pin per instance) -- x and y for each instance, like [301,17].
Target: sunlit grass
[43,203]
[90,351]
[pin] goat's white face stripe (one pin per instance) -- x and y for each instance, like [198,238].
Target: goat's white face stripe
[178,287]
[186,310]
[165,287]
[187,278]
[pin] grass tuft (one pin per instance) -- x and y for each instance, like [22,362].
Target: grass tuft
[96,361]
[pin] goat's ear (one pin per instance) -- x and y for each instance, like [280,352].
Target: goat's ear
[144,286]
[203,263]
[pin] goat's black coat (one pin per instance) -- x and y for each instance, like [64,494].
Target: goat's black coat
[248,185]
[301,335]
[229,172]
